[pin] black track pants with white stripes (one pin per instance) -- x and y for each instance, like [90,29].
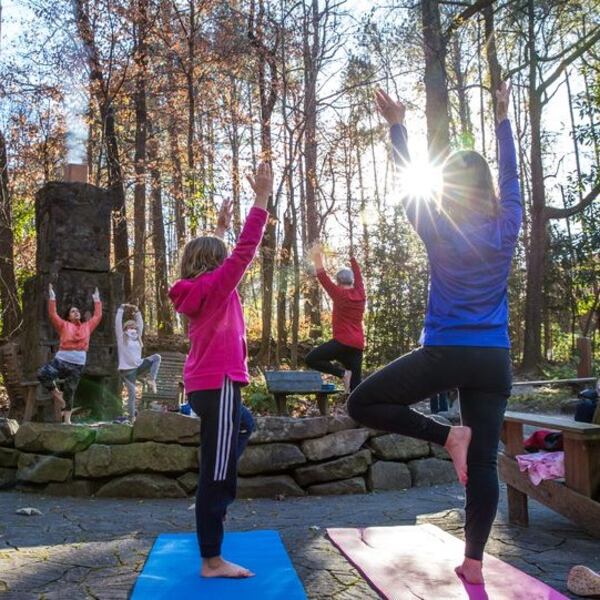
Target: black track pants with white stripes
[219,411]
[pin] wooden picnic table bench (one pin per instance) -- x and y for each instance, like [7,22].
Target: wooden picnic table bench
[578,498]
[286,383]
[32,397]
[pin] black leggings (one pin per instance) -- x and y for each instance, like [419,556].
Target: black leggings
[70,374]
[225,427]
[483,378]
[320,359]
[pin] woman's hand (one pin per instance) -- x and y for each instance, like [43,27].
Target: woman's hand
[96,295]
[262,184]
[393,111]
[51,294]
[224,218]
[316,254]
[502,101]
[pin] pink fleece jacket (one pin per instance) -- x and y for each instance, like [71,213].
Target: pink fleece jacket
[217,330]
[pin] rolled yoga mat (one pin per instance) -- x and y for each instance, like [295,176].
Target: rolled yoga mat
[418,562]
[172,569]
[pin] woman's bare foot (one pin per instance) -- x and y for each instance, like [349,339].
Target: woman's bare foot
[67,417]
[347,378]
[58,398]
[471,571]
[457,446]
[218,567]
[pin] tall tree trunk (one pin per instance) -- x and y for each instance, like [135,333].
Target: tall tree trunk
[139,191]
[436,84]
[311,51]
[9,298]
[107,114]
[532,351]
[164,316]
[284,269]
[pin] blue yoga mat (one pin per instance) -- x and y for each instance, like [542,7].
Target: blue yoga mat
[172,569]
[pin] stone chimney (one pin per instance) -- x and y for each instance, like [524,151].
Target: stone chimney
[76,173]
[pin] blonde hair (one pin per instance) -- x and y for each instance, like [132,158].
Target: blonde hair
[202,255]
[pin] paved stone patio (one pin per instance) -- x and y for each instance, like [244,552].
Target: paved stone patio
[95,548]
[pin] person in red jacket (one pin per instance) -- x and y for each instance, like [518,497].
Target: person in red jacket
[69,361]
[349,300]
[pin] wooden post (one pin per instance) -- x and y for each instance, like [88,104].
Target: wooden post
[323,404]
[584,350]
[280,400]
[518,513]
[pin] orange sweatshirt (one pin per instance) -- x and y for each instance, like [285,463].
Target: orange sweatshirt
[74,336]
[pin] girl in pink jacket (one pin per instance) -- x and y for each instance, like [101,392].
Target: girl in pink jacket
[216,369]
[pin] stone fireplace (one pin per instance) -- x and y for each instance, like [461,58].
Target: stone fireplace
[73,221]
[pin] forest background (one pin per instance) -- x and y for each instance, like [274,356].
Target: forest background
[170,102]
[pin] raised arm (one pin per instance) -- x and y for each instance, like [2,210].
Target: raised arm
[394,112]
[316,254]
[56,321]
[97,316]
[119,327]
[224,219]
[230,273]
[139,321]
[511,211]
[358,280]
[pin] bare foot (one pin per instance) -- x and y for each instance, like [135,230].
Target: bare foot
[471,571]
[217,567]
[58,398]
[457,445]
[347,378]
[67,417]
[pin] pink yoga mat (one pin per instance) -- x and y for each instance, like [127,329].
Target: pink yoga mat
[418,561]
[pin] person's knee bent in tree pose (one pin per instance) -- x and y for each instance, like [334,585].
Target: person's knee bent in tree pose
[131,364]
[216,369]
[69,362]
[349,300]
[470,238]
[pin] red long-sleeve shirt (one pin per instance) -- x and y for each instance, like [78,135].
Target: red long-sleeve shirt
[348,307]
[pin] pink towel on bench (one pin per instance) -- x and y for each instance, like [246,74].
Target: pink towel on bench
[542,465]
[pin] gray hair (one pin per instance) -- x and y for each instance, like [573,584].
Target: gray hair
[345,277]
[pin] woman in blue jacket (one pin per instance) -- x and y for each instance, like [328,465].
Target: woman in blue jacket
[470,238]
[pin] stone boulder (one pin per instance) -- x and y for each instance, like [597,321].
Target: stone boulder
[388,475]
[114,433]
[79,488]
[189,481]
[8,478]
[394,446]
[9,457]
[287,429]
[356,485]
[269,486]
[335,444]
[8,428]
[431,471]
[53,438]
[339,423]
[105,461]
[340,468]
[140,485]
[270,458]
[40,468]
[166,427]
[439,452]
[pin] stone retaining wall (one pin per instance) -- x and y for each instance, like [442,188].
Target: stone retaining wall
[158,457]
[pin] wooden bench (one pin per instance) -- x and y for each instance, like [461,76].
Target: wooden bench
[169,383]
[286,383]
[578,498]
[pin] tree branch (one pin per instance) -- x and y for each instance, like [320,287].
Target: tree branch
[465,15]
[551,212]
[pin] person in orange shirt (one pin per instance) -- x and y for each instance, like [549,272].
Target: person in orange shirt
[349,301]
[69,362]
